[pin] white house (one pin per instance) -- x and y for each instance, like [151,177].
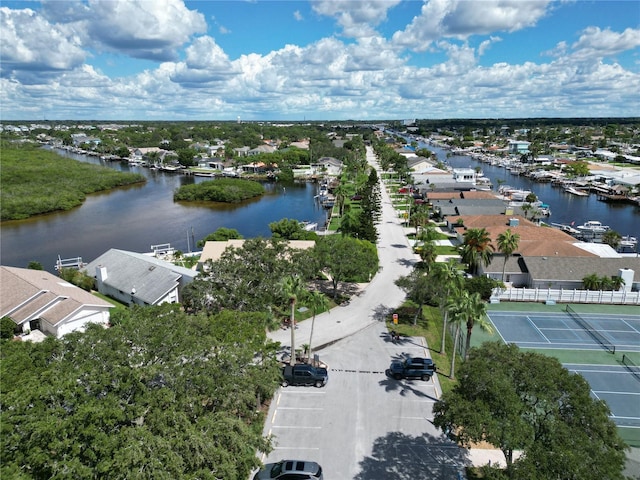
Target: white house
[135,278]
[518,147]
[38,300]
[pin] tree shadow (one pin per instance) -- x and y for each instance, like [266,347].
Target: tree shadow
[403,457]
[398,245]
[404,387]
[381,313]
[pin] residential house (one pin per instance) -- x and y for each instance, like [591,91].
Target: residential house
[419,164]
[328,165]
[138,279]
[241,151]
[517,147]
[260,149]
[560,272]
[213,250]
[38,300]
[546,257]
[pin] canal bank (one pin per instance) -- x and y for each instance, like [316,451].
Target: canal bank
[136,217]
[565,208]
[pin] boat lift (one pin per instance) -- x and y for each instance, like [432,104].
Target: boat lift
[69,263]
[162,249]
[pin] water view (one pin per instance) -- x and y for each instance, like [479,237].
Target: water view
[137,217]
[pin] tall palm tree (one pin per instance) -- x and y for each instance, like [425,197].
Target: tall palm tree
[457,318]
[476,248]
[507,244]
[475,310]
[318,302]
[292,287]
[449,278]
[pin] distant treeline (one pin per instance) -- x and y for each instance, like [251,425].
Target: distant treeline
[227,190]
[35,181]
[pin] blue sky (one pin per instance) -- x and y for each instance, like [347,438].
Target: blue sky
[318,60]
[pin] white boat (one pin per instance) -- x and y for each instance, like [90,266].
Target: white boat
[309,226]
[593,226]
[575,191]
[627,242]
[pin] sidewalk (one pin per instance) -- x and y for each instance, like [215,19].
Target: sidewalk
[375,301]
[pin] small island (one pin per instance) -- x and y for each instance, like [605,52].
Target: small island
[35,181]
[225,190]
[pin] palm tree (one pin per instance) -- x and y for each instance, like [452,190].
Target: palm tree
[428,254]
[448,277]
[476,248]
[592,282]
[292,287]
[318,302]
[507,244]
[612,238]
[457,318]
[526,208]
[475,310]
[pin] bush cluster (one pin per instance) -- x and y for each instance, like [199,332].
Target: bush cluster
[227,190]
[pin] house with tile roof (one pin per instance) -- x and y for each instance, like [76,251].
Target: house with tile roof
[138,279]
[213,250]
[546,257]
[38,300]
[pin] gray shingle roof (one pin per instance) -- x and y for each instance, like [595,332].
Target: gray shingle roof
[151,278]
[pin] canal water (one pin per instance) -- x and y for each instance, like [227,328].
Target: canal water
[137,217]
[565,207]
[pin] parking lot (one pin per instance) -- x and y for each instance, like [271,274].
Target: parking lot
[363,425]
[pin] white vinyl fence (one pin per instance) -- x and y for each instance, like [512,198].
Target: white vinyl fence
[551,295]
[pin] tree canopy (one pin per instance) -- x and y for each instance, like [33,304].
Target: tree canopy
[346,259]
[246,278]
[526,401]
[160,394]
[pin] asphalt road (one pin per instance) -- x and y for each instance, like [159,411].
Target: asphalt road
[363,425]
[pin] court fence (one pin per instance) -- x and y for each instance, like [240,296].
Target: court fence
[555,295]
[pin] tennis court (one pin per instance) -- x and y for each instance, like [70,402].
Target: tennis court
[560,330]
[579,339]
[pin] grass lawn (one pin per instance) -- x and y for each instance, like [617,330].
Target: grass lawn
[428,326]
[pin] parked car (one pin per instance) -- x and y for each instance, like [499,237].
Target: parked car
[290,470]
[417,367]
[303,374]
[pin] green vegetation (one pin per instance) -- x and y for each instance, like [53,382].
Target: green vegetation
[136,401]
[227,190]
[525,401]
[35,181]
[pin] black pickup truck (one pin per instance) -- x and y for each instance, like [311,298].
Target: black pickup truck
[422,368]
[303,374]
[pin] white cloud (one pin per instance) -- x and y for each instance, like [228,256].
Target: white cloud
[462,18]
[141,29]
[595,43]
[32,49]
[205,63]
[357,18]
[298,16]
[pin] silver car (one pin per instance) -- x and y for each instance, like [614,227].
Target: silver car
[290,470]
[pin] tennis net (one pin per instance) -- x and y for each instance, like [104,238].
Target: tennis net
[595,334]
[631,366]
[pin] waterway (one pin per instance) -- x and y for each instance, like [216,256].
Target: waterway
[565,207]
[136,217]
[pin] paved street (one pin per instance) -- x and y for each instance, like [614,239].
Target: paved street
[363,425]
